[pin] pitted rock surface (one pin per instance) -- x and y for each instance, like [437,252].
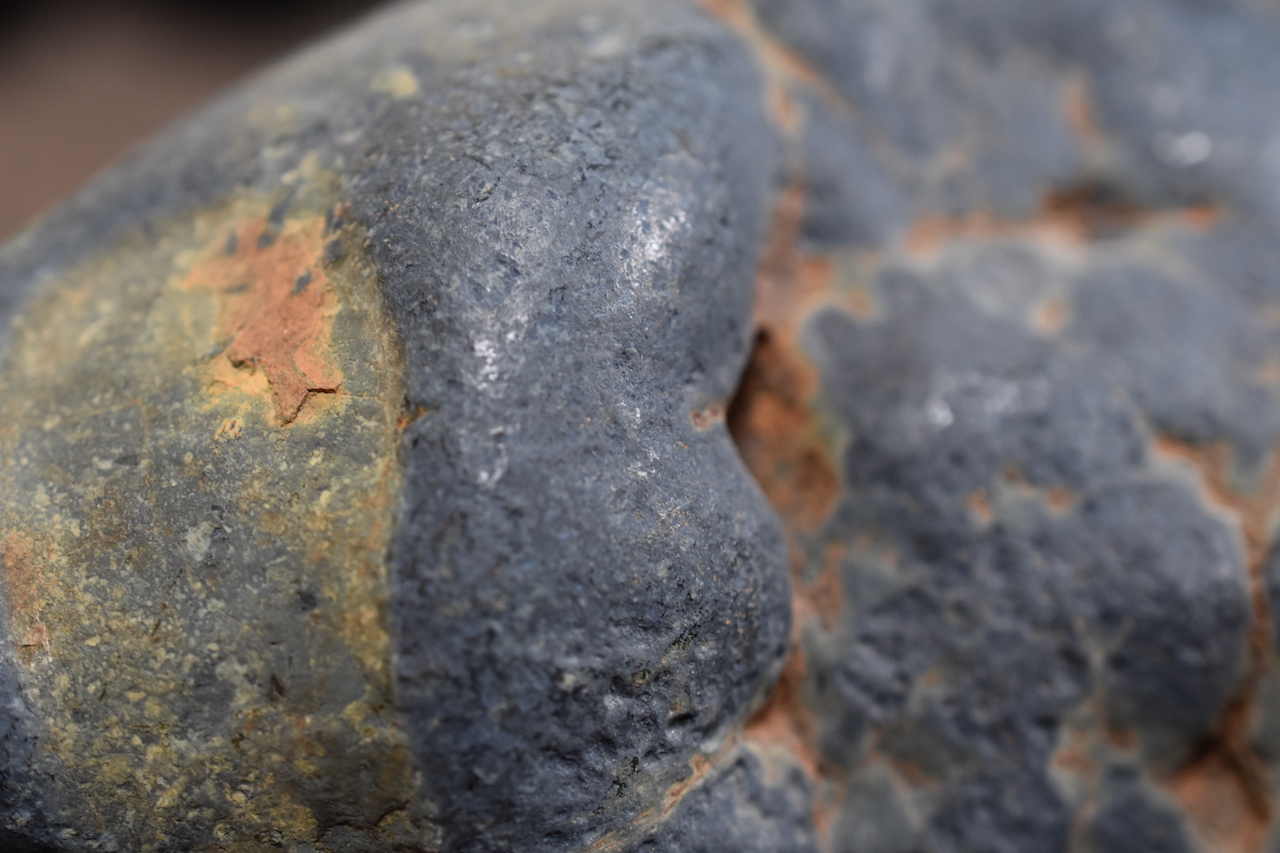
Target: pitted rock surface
[367,480]
[1014,393]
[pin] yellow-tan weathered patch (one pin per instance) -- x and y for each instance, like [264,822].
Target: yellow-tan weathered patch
[198,471]
[398,81]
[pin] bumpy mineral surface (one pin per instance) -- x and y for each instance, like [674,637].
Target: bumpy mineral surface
[367,466]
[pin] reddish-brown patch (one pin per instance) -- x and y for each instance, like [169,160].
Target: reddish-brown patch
[407,418]
[912,773]
[860,304]
[906,771]
[1202,217]
[608,842]
[789,284]
[1051,316]
[773,426]
[274,303]
[980,506]
[823,599]
[22,577]
[1225,788]
[1269,372]
[1055,498]
[1221,803]
[707,416]
[1078,107]
[932,232]
[1060,500]
[786,721]
[36,637]
[783,109]
[1091,210]
[1073,755]
[25,589]
[1068,218]
[771,417]
[1120,738]
[699,767]
[783,69]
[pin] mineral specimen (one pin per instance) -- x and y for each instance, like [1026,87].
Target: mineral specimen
[367,466]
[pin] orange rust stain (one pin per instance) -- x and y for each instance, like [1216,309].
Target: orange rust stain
[700,766]
[906,771]
[1090,210]
[783,108]
[36,637]
[1056,498]
[1051,316]
[1225,788]
[23,579]
[783,69]
[772,424]
[1221,805]
[25,588]
[789,284]
[407,418]
[1120,738]
[275,305]
[1202,217]
[771,417]
[1078,107]
[912,773]
[1073,756]
[609,842]
[860,304]
[224,377]
[824,598]
[980,506]
[1069,218]
[707,416]
[931,677]
[786,721]
[1269,372]
[230,429]
[1060,500]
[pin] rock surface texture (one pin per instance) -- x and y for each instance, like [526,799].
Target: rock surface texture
[367,467]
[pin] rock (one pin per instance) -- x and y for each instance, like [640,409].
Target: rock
[367,480]
[363,487]
[1015,395]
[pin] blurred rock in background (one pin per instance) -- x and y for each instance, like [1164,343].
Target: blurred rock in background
[82,82]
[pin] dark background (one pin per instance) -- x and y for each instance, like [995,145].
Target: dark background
[83,81]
